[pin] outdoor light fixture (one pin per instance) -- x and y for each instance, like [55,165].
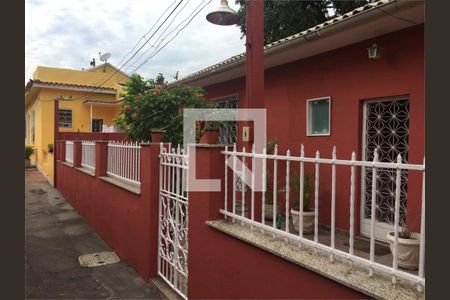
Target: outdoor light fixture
[223,15]
[374,51]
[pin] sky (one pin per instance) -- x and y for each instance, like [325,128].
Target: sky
[69,33]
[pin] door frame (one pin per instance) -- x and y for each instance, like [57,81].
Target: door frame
[381,228]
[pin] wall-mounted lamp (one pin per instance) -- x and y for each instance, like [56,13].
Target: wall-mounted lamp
[374,51]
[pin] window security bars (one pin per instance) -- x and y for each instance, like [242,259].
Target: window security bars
[173,219]
[244,212]
[65,118]
[124,162]
[88,155]
[69,152]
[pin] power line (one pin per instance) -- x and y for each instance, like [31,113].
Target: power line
[159,50]
[168,26]
[119,69]
[144,36]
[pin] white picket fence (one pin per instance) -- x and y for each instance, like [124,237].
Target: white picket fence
[69,152]
[88,155]
[288,162]
[124,162]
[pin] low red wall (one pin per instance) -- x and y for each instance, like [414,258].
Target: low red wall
[223,267]
[219,266]
[92,136]
[127,222]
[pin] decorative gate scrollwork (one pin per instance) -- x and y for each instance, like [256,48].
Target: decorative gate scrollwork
[173,219]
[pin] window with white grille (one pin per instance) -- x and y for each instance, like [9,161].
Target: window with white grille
[65,118]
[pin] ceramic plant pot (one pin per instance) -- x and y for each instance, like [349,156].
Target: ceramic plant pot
[408,250]
[308,220]
[210,137]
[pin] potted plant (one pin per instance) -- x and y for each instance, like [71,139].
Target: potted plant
[408,247]
[210,133]
[50,148]
[28,153]
[308,212]
[157,135]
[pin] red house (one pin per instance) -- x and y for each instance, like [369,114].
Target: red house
[355,82]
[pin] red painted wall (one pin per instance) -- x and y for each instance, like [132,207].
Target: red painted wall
[349,78]
[92,136]
[126,222]
[223,267]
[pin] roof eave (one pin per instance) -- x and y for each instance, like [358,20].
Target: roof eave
[304,37]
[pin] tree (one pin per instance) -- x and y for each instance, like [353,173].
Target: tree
[288,17]
[151,104]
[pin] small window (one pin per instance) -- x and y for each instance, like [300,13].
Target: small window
[65,118]
[318,116]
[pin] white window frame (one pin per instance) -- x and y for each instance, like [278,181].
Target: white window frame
[307,117]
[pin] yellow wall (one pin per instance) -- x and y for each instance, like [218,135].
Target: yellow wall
[41,101]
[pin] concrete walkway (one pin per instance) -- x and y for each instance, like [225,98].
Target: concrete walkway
[55,236]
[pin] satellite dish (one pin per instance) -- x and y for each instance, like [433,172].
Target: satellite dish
[104,57]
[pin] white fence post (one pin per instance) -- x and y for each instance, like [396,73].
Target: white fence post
[88,155]
[69,152]
[121,166]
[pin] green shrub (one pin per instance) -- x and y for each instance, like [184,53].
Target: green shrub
[28,152]
[150,104]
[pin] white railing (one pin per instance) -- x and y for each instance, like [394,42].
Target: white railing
[173,219]
[288,162]
[69,152]
[124,162]
[88,155]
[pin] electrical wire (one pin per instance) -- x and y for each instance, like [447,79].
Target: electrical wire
[135,53]
[144,36]
[159,37]
[397,17]
[154,53]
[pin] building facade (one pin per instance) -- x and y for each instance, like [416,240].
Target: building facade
[88,100]
[322,89]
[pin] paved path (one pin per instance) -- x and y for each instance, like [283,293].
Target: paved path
[55,236]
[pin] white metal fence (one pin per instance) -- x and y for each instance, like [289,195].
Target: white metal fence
[88,155]
[69,152]
[173,219]
[288,161]
[124,162]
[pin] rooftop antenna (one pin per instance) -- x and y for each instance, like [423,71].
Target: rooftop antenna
[104,57]
[176,75]
[92,63]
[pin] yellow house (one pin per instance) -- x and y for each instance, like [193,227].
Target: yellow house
[88,99]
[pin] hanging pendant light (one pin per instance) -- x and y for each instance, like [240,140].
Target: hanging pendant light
[223,15]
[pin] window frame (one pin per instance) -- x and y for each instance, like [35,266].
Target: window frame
[59,118]
[308,133]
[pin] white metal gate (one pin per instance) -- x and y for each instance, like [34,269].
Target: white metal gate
[173,219]
[386,128]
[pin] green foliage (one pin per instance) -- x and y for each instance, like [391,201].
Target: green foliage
[28,152]
[295,182]
[151,104]
[288,17]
